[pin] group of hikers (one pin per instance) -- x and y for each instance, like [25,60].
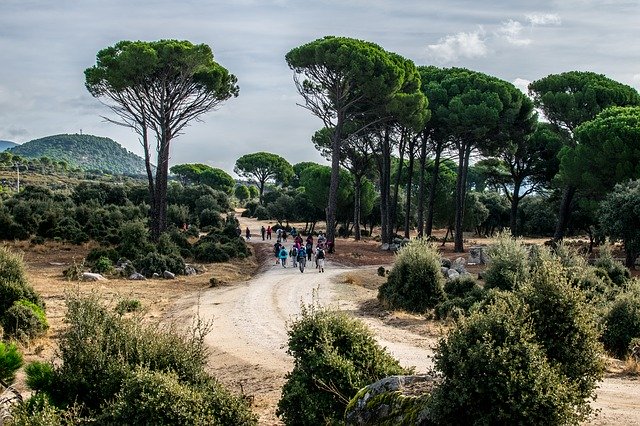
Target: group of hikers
[300,252]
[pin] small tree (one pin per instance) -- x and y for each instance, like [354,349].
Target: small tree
[620,216]
[242,192]
[264,167]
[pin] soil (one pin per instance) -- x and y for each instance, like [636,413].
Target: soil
[251,310]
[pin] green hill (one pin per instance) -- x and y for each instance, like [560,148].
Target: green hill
[6,145]
[87,152]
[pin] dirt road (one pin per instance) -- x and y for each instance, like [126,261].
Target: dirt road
[248,339]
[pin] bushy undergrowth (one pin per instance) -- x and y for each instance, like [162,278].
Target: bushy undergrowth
[415,282]
[10,361]
[334,356]
[461,295]
[106,358]
[622,323]
[509,264]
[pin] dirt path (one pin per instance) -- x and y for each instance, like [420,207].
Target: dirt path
[248,339]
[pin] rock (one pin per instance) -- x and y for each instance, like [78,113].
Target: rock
[384,247]
[137,277]
[477,255]
[392,400]
[445,271]
[397,241]
[394,247]
[445,262]
[190,270]
[155,275]
[168,275]
[458,265]
[452,274]
[405,241]
[90,276]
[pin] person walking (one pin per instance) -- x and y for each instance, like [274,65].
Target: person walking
[283,256]
[302,258]
[248,234]
[263,232]
[320,259]
[309,249]
[293,254]
[269,232]
[276,250]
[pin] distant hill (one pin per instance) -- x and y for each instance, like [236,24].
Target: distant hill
[6,145]
[87,152]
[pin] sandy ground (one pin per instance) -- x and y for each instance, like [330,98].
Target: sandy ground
[250,315]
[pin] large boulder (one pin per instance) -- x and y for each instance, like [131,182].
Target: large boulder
[477,256]
[90,276]
[395,400]
[459,265]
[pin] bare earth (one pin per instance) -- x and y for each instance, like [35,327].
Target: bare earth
[248,340]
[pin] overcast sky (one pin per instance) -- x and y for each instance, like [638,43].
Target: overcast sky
[45,46]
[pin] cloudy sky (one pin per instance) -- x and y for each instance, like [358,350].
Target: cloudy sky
[45,46]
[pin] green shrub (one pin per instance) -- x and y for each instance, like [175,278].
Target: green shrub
[494,372]
[565,326]
[38,410]
[381,271]
[455,307]
[40,376]
[211,218]
[509,264]
[615,270]
[167,246]
[134,241]
[622,324]
[13,282]
[460,286]
[10,361]
[24,320]
[101,353]
[104,265]
[98,252]
[158,398]
[262,213]
[334,356]
[158,263]
[415,282]
[128,305]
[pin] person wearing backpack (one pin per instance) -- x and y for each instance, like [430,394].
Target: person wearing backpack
[302,258]
[293,254]
[283,256]
[320,259]
[276,250]
[309,250]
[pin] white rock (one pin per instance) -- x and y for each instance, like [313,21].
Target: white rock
[90,276]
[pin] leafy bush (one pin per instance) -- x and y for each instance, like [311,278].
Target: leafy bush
[455,307]
[10,361]
[262,213]
[565,326]
[24,320]
[622,324]
[460,286]
[415,282]
[334,356]
[128,305]
[210,218]
[13,282]
[134,241]
[98,252]
[158,263]
[102,354]
[150,397]
[615,270]
[495,372]
[40,375]
[104,265]
[509,264]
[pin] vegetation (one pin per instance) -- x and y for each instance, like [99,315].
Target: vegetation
[415,282]
[127,75]
[10,362]
[264,167]
[334,356]
[86,152]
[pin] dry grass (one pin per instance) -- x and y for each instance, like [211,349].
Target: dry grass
[631,367]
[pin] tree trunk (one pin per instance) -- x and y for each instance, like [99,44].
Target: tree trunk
[335,178]
[262,182]
[385,172]
[630,258]
[461,190]
[356,206]
[565,212]
[432,189]
[423,160]
[394,202]
[513,214]
[159,221]
[407,215]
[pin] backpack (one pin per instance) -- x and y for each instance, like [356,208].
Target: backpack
[309,246]
[294,252]
[320,254]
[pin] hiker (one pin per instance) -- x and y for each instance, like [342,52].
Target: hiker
[294,232]
[248,234]
[269,232]
[284,236]
[298,240]
[293,254]
[262,232]
[239,231]
[320,259]
[276,250]
[321,239]
[302,258]
[309,249]
[283,256]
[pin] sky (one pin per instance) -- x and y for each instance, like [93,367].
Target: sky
[46,45]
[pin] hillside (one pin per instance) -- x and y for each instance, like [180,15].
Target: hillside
[87,152]
[7,145]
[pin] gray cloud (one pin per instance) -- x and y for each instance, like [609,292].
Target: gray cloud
[46,46]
